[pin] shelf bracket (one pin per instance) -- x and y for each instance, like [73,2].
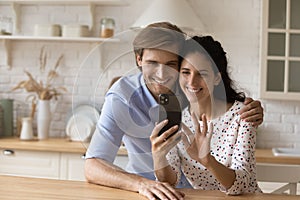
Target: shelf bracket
[17,11]
[5,54]
[92,15]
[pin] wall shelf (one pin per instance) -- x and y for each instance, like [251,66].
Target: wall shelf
[62,39]
[16,6]
[68,2]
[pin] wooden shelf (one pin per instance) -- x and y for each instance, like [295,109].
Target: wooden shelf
[62,39]
[68,2]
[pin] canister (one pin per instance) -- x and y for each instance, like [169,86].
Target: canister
[7,117]
[107,27]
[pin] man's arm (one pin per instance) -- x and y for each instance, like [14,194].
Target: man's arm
[252,112]
[101,172]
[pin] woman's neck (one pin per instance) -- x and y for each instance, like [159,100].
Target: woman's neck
[211,107]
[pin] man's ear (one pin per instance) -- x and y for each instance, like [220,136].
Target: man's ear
[218,78]
[139,60]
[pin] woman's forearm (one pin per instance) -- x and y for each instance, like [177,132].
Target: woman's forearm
[223,174]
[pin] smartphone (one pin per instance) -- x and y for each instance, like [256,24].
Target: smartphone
[169,108]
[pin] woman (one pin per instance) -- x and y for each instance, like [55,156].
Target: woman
[223,158]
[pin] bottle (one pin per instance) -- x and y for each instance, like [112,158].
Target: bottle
[107,26]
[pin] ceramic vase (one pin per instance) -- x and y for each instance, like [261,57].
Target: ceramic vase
[27,131]
[43,119]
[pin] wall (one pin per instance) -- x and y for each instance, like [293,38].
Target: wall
[237,24]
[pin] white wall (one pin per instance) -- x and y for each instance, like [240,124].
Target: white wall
[236,24]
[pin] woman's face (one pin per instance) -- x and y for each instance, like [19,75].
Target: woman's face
[197,78]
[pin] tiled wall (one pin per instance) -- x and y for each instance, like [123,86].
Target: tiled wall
[237,24]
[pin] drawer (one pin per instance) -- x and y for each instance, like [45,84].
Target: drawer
[29,163]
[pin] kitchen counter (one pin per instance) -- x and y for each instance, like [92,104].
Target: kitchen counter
[50,145]
[266,156]
[65,145]
[13,187]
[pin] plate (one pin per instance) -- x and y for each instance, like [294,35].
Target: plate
[80,127]
[290,152]
[87,110]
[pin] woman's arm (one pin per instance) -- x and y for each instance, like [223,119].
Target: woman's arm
[199,150]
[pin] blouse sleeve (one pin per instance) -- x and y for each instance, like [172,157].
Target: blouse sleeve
[243,159]
[174,162]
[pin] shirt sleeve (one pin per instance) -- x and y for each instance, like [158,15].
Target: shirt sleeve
[108,135]
[174,162]
[243,159]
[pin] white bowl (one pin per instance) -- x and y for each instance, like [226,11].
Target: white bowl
[47,30]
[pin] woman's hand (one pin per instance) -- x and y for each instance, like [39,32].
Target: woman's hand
[199,148]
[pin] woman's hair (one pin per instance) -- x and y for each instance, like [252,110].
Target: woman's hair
[213,50]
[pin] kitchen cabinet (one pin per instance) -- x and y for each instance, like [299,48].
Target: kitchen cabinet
[277,174]
[16,6]
[52,158]
[280,65]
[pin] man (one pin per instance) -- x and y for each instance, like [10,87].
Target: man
[130,112]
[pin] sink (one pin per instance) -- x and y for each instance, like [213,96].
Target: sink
[290,152]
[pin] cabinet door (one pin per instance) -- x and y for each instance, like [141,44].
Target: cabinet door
[72,166]
[29,163]
[280,65]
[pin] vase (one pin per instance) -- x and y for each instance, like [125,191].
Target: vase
[27,131]
[43,119]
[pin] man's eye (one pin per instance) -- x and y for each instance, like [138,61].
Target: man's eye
[185,72]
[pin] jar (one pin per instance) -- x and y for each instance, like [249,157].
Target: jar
[107,26]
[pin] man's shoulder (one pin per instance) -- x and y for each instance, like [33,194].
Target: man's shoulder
[127,83]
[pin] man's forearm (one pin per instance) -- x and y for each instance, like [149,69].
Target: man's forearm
[100,172]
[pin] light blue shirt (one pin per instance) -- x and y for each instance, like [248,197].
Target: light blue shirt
[128,114]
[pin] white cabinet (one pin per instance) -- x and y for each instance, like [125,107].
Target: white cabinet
[280,66]
[29,163]
[55,165]
[72,166]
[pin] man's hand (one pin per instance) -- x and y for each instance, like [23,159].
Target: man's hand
[154,189]
[252,112]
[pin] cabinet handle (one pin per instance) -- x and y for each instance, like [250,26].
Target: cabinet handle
[8,152]
[83,156]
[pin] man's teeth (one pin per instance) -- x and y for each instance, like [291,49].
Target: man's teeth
[161,82]
[193,90]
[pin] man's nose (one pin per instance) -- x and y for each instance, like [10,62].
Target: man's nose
[162,70]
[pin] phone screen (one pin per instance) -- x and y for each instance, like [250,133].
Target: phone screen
[169,108]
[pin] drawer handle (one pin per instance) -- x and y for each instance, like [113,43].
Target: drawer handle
[8,152]
[83,156]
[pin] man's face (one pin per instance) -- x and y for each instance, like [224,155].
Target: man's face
[160,70]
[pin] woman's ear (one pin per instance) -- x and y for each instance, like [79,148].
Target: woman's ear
[218,78]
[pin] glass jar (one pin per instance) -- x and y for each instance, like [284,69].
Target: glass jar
[107,26]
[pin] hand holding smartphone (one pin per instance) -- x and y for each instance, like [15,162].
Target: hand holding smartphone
[169,108]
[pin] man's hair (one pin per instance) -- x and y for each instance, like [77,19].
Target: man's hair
[161,35]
